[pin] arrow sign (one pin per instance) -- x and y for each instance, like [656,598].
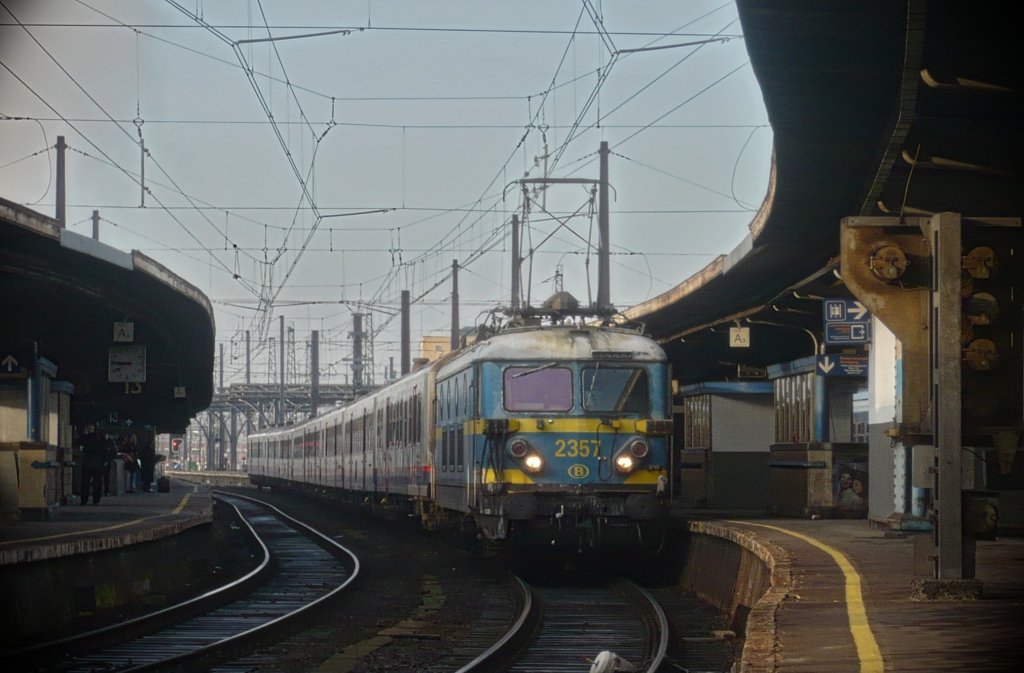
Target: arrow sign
[843,364]
[847,321]
[9,363]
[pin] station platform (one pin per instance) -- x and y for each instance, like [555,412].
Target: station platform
[844,599]
[117,521]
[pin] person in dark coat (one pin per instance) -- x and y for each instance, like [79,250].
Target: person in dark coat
[109,467]
[130,456]
[94,461]
[147,459]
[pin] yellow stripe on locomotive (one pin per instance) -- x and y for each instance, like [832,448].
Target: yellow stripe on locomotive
[571,451]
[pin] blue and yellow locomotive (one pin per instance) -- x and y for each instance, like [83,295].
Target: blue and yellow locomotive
[555,435]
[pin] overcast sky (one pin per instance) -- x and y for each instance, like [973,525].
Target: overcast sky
[320,176]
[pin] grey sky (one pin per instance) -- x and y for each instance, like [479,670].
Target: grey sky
[424,114]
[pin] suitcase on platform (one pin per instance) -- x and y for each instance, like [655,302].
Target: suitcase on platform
[163,485]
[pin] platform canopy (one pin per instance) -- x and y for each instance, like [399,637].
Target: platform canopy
[877,108]
[135,340]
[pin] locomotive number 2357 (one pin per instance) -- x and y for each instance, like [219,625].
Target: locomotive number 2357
[577,448]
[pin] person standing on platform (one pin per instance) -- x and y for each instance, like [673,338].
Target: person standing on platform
[130,455]
[110,466]
[147,459]
[94,459]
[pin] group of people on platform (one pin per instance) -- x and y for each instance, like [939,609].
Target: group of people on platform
[99,456]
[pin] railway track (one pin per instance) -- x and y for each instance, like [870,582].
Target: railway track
[577,624]
[300,569]
[568,628]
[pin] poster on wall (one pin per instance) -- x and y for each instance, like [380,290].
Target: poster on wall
[850,488]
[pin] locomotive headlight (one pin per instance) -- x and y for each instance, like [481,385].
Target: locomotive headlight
[624,463]
[631,454]
[639,448]
[518,447]
[533,463]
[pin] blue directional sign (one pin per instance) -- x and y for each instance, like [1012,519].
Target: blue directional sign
[847,321]
[843,364]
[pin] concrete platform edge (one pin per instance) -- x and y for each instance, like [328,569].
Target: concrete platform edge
[760,647]
[49,549]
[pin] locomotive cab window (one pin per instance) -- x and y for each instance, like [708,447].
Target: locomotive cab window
[538,388]
[622,390]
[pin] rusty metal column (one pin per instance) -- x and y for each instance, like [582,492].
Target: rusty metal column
[946,392]
[884,263]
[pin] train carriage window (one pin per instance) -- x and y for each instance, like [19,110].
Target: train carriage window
[418,401]
[460,447]
[541,388]
[616,389]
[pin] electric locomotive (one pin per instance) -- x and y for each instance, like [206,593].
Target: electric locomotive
[556,436]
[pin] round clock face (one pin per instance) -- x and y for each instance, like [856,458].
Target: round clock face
[126,364]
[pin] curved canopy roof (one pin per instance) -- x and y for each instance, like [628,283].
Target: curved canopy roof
[877,108]
[63,294]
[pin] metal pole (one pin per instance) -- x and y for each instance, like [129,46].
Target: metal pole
[221,386]
[516,261]
[234,439]
[603,272]
[357,351]
[314,374]
[280,401]
[61,192]
[248,369]
[95,225]
[406,345]
[211,445]
[35,404]
[142,170]
[455,305]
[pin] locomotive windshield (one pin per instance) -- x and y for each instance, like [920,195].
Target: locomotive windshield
[543,388]
[616,389]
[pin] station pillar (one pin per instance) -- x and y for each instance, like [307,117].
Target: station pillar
[945,287]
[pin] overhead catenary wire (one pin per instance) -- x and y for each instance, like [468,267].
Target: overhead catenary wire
[477,228]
